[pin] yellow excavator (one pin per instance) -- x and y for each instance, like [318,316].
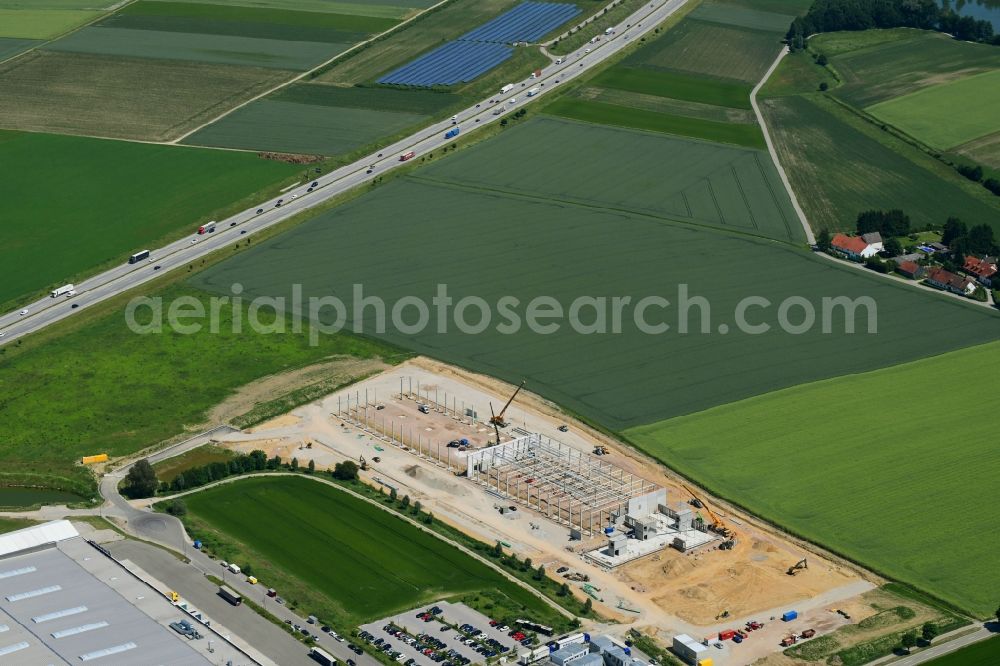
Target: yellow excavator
[801,564]
[718,525]
[497,419]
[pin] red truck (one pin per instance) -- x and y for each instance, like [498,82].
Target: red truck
[407,156]
[726,635]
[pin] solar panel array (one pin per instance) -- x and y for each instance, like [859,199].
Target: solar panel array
[483,48]
[525,23]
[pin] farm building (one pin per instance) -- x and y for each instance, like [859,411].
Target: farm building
[857,247]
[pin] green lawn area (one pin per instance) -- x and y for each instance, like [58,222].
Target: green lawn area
[11,524]
[625,116]
[841,165]
[872,504]
[561,194]
[129,98]
[983,653]
[166,470]
[114,198]
[678,86]
[10,46]
[130,391]
[41,23]
[381,8]
[346,559]
[929,114]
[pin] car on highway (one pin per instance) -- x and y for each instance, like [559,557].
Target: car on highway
[260,210]
[23,312]
[232,224]
[295,196]
[243,232]
[2,334]
[315,184]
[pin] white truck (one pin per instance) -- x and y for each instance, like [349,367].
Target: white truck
[533,92]
[609,31]
[65,290]
[233,568]
[507,88]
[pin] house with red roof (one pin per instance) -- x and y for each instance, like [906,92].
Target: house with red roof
[910,269]
[857,247]
[948,281]
[982,268]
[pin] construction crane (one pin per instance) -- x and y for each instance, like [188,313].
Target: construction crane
[497,419]
[718,525]
[493,420]
[794,569]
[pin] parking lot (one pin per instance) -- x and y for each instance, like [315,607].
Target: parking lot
[440,634]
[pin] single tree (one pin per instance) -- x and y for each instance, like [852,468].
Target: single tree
[416,508]
[393,494]
[177,508]
[930,631]
[540,572]
[893,247]
[405,502]
[953,228]
[824,86]
[295,464]
[312,466]
[429,518]
[588,606]
[527,563]
[909,640]
[821,60]
[141,480]
[823,239]
[348,471]
[497,549]
[563,590]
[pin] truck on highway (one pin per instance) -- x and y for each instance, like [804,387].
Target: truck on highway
[452,133]
[407,156]
[65,290]
[233,568]
[533,92]
[206,228]
[138,256]
[322,656]
[230,595]
[507,88]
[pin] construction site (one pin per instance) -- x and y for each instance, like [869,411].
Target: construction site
[505,466]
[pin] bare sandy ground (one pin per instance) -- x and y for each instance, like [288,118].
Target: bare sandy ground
[665,593]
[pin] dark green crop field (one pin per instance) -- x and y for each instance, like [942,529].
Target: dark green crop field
[677,86]
[548,241]
[625,116]
[367,562]
[113,199]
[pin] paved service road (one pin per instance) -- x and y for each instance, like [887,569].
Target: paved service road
[242,226]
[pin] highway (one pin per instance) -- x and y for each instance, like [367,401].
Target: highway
[244,225]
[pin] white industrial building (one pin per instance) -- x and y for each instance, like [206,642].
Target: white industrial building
[647,525]
[583,650]
[690,650]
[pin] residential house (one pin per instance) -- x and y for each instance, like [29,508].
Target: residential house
[910,269]
[874,240]
[856,247]
[956,284]
[982,268]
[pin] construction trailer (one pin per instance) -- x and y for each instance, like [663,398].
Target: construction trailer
[691,651]
[569,486]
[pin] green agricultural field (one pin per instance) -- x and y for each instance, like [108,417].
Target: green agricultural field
[880,65]
[744,17]
[550,242]
[873,503]
[667,105]
[41,23]
[929,114]
[710,49]
[257,22]
[983,653]
[110,375]
[423,34]
[167,470]
[625,116]
[129,98]
[11,47]
[840,165]
[287,127]
[985,150]
[294,529]
[423,102]
[665,177]
[677,86]
[114,198]
[788,7]
[202,48]
[379,8]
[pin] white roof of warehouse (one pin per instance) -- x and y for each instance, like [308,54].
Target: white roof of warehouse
[37,535]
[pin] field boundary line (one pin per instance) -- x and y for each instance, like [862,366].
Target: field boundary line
[810,238]
[109,12]
[468,551]
[306,73]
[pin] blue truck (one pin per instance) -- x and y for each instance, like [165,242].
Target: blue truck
[452,133]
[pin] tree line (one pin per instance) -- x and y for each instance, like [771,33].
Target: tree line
[834,15]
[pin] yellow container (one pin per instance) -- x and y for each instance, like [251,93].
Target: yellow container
[705,662]
[100,457]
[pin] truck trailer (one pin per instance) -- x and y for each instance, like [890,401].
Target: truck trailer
[65,290]
[507,88]
[452,133]
[230,595]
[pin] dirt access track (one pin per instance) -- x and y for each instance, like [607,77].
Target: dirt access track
[667,591]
